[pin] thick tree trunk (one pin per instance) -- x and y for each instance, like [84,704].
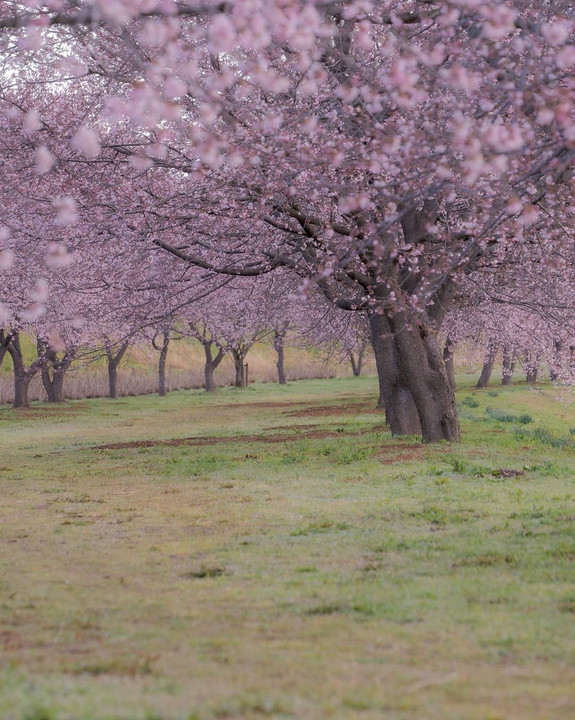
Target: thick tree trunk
[508,367]
[487,368]
[162,392]
[210,365]
[113,362]
[21,385]
[53,371]
[22,374]
[279,348]
[55,388]
[421,363]
[531,375]
[448,351]
[394,394]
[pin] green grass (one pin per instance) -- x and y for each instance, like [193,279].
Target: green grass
[289,560]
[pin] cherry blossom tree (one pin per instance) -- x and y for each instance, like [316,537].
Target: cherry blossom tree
[383,151]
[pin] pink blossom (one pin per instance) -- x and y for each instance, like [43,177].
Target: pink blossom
[6,259]
[222,34]
[32,312]
[66,211]
[40,292]
[31,122]
[44,160]
[566,57]
[555,33]
[86,142]
[57,256]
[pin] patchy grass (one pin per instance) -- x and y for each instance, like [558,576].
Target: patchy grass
[259,554]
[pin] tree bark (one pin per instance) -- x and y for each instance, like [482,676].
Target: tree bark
[210,365]
[279,348]
[53,371]
[420,362]
[240,380]
[487,368]
[556,362]
[448,351]
[22,374]
[4,342]
[354,368]
[508,367]
[357,364]
[162,392]
[113,362]
[394,394]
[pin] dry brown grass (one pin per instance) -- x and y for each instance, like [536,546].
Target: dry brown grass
[138,374]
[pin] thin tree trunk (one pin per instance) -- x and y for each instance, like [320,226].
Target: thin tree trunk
[421,363]
[394,395]
[162,392]
[279,348]
[239,368]
[4,341]
[361,356]
[448,351]
[487,368]
[508,367]
[354,368]
[556,363]
[113,362]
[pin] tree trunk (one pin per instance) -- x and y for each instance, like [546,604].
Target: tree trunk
[279,348]
[531,365]
[394,394]
[22,374]
[448,351]
[420,362]
[354,365]
[210,365]
[360,356]
[556,362]
[162,392]
[240,380]
[53,371]
[55,390]
[487,368]
[508,366]
[113,362]
[21,385]
[4,342]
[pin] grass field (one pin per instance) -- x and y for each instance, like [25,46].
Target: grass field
[273,552]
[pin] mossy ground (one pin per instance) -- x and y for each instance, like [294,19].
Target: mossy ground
[299,563]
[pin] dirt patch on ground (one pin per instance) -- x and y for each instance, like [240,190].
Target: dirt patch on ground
[48,411]
[260,405]
[219,440]
[303,426]
[399,452]
[349,409]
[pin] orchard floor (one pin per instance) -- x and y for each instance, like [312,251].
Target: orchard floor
[288,560]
